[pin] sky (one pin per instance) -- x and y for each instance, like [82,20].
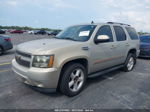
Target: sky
[63,13]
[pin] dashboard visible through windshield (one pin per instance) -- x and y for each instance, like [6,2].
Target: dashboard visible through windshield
[77,33]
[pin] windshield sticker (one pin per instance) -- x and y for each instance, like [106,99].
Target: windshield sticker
[84,33]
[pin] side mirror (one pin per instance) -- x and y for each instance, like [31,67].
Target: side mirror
[102,38]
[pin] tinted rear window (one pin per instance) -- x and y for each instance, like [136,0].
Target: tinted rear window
[120,34]
[132,33]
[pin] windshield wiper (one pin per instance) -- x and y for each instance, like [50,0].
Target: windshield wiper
[57,37]
[68,38]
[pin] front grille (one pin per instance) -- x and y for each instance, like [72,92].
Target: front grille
[23,58]
[23,54]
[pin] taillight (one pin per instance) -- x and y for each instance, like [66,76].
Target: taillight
[7,39]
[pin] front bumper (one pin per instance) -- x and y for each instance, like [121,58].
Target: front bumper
[38,77]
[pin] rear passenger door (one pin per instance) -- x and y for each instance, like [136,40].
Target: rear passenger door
[121,43]
[103,54]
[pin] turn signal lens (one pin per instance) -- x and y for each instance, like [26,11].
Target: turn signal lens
[51,61]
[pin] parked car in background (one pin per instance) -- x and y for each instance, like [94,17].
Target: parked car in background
[2,31]
[5,43]
[17,31]
[54,33]
[31,32]
[42,32]
[145,46]
[49,32]
[35,31]
[9,30]
[24,30]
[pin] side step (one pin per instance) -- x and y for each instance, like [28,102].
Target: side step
[105,71]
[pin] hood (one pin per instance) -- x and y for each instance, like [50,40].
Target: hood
[44,46]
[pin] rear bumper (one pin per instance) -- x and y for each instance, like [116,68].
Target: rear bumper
[37,77]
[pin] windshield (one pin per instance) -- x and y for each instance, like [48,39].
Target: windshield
[77,33]
[145,39]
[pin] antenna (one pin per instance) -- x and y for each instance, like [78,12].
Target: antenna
[92,22]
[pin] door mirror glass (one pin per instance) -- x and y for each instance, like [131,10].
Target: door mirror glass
[102,38]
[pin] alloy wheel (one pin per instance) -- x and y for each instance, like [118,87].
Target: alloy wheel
[130,63]
[76,80]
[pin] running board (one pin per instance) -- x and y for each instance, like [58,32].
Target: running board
[105,71]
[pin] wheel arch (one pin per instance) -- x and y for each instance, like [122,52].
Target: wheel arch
[80,60]
[133,50]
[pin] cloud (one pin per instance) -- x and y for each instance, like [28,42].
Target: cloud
[38,3]
[52,5]
[137,19]
[11,2]
[126,4]
[134,12]
[60,4]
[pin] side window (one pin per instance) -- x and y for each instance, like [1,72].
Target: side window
[132,33]
[120,34]
[105,30]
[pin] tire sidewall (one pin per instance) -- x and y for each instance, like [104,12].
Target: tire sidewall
[65,79]
[127,61]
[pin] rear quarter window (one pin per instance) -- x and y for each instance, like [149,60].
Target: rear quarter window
[132,33]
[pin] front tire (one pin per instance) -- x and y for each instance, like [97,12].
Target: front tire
[73,79]
[130,62]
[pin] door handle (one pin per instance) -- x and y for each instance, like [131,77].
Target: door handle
[127,44]
[113,46]
[85,48]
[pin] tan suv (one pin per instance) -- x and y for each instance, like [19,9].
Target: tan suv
[65,61]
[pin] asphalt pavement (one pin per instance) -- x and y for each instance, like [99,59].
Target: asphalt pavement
[115,90]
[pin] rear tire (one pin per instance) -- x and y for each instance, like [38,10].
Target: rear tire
[73,79]
[130,62]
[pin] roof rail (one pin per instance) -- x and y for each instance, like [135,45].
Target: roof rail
[117,23]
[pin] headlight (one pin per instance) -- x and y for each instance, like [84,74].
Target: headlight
[43,61]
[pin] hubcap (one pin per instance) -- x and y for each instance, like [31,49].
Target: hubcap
[130,63]
[76,80]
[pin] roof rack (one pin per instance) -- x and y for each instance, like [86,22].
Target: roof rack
[117,23]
